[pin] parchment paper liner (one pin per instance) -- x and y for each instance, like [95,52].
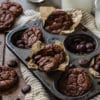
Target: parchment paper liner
[92,71]
[39,46]
[76,17]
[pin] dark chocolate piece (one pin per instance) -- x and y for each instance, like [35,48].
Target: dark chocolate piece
[83,62]
[27,59]
[12,63]
[26,89]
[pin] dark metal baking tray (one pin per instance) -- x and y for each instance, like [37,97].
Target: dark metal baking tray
[48,79]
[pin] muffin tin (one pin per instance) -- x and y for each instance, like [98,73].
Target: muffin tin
[50,79]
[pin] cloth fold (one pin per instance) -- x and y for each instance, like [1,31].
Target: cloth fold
[38,92]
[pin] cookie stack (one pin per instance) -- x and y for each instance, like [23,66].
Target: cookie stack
[9,11]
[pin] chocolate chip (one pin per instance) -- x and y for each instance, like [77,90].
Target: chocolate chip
[80,47]
[12,63]
[26,89]
[37,57]
[89,45]
[19,42]
[27,59]
[83,62]
[97,67]
[21,46]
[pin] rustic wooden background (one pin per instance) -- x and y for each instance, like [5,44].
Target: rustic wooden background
[6,55]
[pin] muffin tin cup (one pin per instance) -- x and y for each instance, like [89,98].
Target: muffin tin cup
[83,97]
[49,80]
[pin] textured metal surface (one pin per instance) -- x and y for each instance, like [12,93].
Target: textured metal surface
[48,79]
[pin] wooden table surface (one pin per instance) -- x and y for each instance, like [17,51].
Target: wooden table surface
[6,55]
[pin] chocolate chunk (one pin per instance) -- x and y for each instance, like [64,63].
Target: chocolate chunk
[36,58]
[89,45]
[27,59]
[26,89]
[83,62]
[12,63]
[21,45]
[80,47]
[97,67]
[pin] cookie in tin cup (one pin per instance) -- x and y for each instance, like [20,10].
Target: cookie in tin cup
[48,57]
[95,66]
[58,21]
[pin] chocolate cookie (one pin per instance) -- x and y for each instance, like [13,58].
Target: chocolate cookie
[50,57]
[29,37]
[6,20]
[14,7]
[75,82]
[8,78]
[58,21]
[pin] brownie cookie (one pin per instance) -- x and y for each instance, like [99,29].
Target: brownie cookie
[14,7]
[49,58]
[29,37]
[58,21]
[6,20]
[75,82]
[8,78]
